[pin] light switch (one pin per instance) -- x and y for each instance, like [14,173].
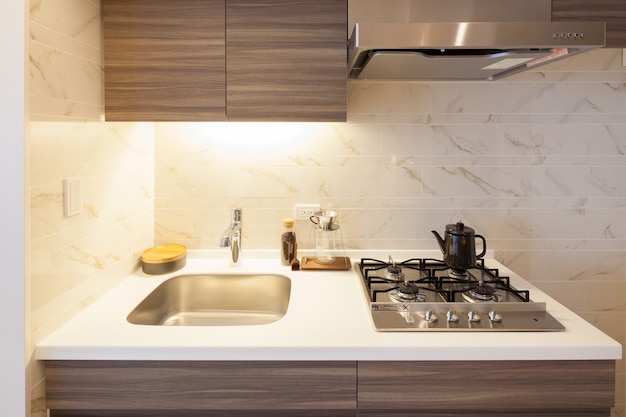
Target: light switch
[72,196]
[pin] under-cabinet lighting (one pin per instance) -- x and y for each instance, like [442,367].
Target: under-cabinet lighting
[253,138]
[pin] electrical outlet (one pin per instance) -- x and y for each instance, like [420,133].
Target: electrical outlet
[304,211]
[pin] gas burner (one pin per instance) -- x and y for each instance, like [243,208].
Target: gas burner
[481,293]
[458,273]
[394,273]
[407,292]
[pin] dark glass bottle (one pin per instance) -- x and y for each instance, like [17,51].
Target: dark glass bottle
[288,245]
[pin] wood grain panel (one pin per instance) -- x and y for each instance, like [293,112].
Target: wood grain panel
[613,12]
[178,385]
[492,388]
[316,389]
[209,413]
[164,60]
[286,60]
[483,412]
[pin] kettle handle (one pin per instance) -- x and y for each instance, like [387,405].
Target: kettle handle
[481,254]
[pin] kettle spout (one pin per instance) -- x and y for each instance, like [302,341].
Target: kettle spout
[442,243]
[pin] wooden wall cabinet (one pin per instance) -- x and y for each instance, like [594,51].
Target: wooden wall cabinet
[164,60]
[215,60]
[613,12]
[286,60]
[330,388]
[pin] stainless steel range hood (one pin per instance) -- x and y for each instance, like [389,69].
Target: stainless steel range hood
[486,40]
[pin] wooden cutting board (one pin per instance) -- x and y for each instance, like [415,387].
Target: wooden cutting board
[341,263]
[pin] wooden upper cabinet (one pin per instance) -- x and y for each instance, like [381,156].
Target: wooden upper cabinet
[286,60]
[613,12]
[215,60]
[164,60]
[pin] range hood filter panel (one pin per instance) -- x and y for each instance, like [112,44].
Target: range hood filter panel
[408,65]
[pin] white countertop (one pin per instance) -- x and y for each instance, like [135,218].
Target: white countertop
[327,319]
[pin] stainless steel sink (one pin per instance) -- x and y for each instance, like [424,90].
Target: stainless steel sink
[215,300]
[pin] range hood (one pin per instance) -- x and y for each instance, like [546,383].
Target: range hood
[461,39]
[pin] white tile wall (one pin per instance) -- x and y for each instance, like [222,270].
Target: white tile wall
[65,51]
[115,164]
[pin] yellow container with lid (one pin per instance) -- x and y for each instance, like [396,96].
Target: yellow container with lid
[163,259]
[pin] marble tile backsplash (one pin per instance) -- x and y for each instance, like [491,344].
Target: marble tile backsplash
[115,167]
[65,52]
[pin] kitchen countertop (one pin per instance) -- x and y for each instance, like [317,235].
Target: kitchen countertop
[327,319]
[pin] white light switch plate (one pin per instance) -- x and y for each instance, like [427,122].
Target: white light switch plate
[72,196]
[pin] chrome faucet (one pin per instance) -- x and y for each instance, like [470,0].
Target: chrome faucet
[232,237]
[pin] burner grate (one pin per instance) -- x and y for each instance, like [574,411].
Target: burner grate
[434,276]
[422,294]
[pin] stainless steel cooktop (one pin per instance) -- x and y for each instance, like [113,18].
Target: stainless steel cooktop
[427,295]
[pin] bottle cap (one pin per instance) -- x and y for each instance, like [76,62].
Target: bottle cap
[288,222]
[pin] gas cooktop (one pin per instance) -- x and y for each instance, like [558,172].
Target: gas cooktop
[427,295]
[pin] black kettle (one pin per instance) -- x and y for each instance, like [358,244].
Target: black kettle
[459,247]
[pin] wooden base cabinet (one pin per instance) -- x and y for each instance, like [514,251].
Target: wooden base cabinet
[486,388]
[330,389]
[190,389]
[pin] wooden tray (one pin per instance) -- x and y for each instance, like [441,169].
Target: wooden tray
[341,263]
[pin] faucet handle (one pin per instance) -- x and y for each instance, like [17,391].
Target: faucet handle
[236,215]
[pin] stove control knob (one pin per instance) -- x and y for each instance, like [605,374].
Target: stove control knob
[473,316]
[495,316]
[429,315]
[452,317]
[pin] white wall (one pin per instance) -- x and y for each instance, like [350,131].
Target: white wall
[13,401]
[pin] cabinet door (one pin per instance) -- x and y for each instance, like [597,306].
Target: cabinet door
[164,60]
[613,12]
[178,388]
[486,388]
[286,60]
